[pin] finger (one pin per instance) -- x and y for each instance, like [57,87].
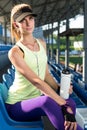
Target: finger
[70,90]
[72,126]
[67,125]
[75,126]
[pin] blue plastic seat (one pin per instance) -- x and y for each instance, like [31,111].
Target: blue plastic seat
[80,92]
[11,72]
[7,123]
[12,67]
[7,79]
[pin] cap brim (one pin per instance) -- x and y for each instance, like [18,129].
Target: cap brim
[23,15]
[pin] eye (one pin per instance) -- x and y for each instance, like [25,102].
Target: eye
[22,21]
[31,17]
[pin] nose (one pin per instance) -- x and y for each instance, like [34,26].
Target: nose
[27,22]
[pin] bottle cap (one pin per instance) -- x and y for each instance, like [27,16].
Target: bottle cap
[66,71]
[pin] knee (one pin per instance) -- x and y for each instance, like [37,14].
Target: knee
[46,100]
[49,102]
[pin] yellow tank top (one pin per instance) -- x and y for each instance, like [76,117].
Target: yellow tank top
[22,89]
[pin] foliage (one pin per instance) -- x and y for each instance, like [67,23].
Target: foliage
[71,41]
[72,59]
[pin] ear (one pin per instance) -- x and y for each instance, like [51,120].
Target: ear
[15,25]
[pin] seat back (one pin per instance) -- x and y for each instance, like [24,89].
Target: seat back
[11,72]
[3,91]
[7,79]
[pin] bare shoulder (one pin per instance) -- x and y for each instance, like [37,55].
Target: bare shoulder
[14,51]
[42,41]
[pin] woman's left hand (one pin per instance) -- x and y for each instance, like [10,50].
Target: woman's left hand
[71,89]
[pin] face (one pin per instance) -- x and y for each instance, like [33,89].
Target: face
[26,26]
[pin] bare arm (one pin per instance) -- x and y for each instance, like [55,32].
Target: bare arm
[16,57]
[50,80]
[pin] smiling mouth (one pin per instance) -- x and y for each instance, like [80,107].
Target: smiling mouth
[28,28]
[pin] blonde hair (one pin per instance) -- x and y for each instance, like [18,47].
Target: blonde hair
[14,31]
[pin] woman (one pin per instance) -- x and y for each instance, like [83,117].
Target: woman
[33,93]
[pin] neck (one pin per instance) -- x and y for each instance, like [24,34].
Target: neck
[30,40]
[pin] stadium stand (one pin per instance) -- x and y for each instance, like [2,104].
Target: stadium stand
[4,61]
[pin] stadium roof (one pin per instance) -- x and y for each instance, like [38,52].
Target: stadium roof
[48,10]
[72,32]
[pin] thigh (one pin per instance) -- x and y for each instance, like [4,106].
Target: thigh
[26,110]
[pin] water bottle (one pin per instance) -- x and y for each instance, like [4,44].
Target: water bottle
[65,83]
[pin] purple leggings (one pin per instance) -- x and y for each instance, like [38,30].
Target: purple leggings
[33,109]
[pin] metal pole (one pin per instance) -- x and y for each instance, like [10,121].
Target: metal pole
[67,45]
[58,44]
[52,39]
[85,44]
[5,31]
